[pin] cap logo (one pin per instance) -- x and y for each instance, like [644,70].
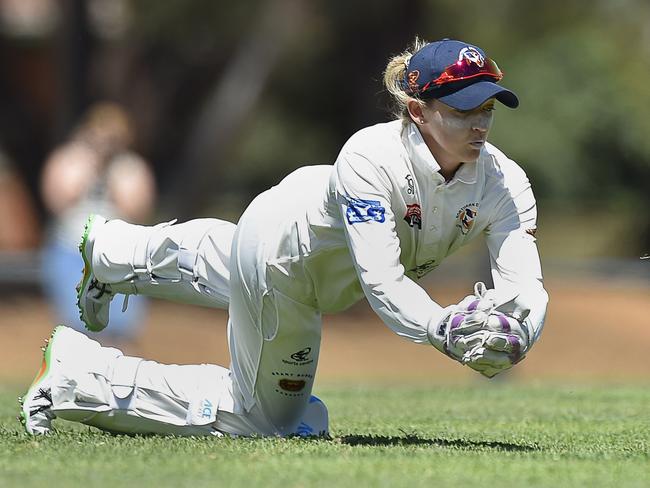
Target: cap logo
[412,78]
[471,55]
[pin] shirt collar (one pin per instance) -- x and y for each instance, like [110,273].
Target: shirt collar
[421,156]
[467,171]
[417,150]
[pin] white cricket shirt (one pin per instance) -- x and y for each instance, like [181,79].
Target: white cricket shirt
[383,216]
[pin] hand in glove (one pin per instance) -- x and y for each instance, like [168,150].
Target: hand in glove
[477,333]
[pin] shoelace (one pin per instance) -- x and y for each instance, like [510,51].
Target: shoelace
[42,393]
[101,287]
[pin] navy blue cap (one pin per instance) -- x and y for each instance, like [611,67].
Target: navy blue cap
[427,64]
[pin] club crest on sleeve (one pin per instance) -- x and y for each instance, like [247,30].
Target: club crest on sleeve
[466,217]
[360,210]
[413,215]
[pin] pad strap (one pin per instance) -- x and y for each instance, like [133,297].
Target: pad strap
[187,263]
[141,262]
[188,256]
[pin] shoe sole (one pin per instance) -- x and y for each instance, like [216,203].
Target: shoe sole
[38,379]
[82,287]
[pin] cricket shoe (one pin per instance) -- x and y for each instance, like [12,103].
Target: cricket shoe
[35,407]
[93,298]
[315,420]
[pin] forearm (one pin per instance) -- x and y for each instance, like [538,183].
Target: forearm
[405,308]
[517,276]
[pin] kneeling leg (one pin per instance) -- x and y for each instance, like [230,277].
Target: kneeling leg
[100,386]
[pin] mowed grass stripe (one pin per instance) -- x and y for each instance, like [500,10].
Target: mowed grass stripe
[494,434]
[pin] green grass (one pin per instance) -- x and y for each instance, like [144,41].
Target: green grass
[490,436]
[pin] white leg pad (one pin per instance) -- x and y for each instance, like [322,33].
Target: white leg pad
[187,262]
[101,387]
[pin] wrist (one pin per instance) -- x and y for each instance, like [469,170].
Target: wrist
[437,329]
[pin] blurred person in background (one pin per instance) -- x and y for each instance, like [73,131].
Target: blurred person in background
[400,198]
[18,219]
[94,169]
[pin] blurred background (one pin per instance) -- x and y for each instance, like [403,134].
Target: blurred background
[156,110]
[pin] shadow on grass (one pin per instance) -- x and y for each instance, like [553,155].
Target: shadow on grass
[414,440]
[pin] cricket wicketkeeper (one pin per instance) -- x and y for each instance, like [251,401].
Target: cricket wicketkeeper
[400,197]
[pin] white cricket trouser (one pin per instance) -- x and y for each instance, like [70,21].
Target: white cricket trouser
[274,338]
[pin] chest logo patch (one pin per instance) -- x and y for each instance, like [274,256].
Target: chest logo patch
[413,215]
[466,216]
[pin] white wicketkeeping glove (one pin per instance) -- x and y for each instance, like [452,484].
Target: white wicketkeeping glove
[484,332]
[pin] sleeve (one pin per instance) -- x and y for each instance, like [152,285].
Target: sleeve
[516,268]
[364,197]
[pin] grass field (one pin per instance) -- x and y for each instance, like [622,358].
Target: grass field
[529,430]
[491,435]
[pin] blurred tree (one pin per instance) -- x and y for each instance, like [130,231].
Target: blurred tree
[75,47]
[231,96]
[581,130]
[316,58]
[231,101]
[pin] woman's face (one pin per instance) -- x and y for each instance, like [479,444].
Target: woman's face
[454,136]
